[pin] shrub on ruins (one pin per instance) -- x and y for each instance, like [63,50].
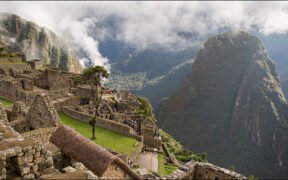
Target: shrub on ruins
[93,77]
[146,109]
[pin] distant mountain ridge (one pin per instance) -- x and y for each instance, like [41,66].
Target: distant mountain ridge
[232,106]
[37,42]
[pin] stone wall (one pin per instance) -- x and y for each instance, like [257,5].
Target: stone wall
[19,67]
[20,126]
[200,170]
[68,101]
[136,152]
[152,142]
[52,80]
[40,135]
[42,113]
[10,59]
[27,162]
[106,124]
[12,90]
[115,172]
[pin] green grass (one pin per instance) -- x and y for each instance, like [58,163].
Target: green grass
[164,169]
[169,168]
[161,170]
[6,103]
[104,137]
[41,68]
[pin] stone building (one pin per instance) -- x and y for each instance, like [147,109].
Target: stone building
[52,79]
[35,63]
[42,113]
[21,157]
[94,157]
[148,131]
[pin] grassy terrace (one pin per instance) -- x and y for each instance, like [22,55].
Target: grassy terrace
[104,137]
[6,103]
[164,169]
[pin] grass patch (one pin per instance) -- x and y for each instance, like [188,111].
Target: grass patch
[164,169]
[41,68]
[6,103]
[104,137]
[161,170]
[169,168]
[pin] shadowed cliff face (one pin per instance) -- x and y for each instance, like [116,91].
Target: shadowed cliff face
[37,42]
[284,85]
[231,106]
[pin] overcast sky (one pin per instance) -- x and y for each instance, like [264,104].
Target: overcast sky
[150,24]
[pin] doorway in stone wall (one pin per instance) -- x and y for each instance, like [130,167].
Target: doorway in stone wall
[11,168]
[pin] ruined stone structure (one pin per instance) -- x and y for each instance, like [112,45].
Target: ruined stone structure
[42,113]
[27,127]
[200,170]
[149,130]
[90,154]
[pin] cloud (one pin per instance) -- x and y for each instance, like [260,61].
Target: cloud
[168,25]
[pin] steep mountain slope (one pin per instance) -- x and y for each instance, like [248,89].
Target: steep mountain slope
[231,106]
[284,85]
[153,74]
[37,42]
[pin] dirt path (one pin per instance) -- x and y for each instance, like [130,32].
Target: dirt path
[148,160]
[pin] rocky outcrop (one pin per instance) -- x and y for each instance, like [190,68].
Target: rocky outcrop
[37,42]
[231,106]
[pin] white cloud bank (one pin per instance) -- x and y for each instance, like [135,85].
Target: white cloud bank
[169,25]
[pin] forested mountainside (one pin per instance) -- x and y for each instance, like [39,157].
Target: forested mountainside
[232,106]
[37,42]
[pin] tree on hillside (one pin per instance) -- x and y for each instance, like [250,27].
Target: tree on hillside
[93,77]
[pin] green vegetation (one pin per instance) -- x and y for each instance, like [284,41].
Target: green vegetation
[6,103]
[169,168]
[41,68]
[161,170]
[146,108]
[164,169]
[6,54]
[105,138]
[180,152]
[93,76]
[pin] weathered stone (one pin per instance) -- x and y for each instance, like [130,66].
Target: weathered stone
[3,176]
[69,169]
[2,171]
[38,160]
[78,166]
[91,175]
[25,170]
[28,158]
[29,176]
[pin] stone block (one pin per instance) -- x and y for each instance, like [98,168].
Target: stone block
[38,160]
[78,166]
[25,171]
[91,175]
[69,169]
[28,158]
[29,176]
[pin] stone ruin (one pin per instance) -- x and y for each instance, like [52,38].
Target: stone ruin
[25,128]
